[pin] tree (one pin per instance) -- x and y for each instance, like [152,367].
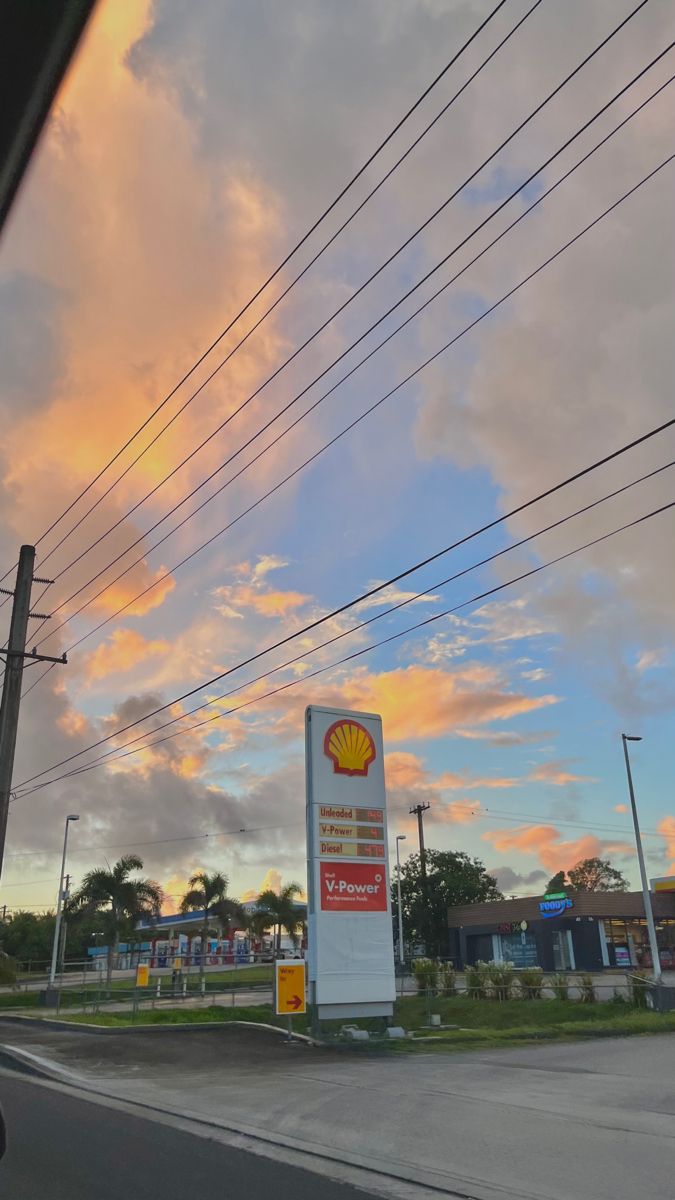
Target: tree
[208,894]
[597,875]
[557,883]
[118,900]
[257,923]
[282,912]
[28,936]
[452,878]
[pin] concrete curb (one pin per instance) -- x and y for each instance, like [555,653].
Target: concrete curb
[12,1060]
[83,1027]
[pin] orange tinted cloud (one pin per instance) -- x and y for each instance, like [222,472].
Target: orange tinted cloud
[72,722]
[621,808]
[125,648]
[557,774]
[272,881]
[124,590]
[666,828]
[265,603]
[450,781]
[421,702]
[276,604]
[404,770]
[545,841]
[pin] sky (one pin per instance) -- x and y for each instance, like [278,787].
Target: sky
[189,150]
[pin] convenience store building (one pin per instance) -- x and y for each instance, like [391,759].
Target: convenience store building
[583,931]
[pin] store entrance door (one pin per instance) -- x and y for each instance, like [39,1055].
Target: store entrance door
[562,950]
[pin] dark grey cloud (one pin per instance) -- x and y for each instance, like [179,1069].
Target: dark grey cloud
[510,881]
[31,353]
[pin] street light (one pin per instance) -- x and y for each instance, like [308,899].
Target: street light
[59,902]
[401,954]
[653,943]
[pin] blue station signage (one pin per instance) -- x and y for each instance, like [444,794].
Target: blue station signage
[554,904]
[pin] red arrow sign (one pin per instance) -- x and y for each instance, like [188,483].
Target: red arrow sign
[295,1003]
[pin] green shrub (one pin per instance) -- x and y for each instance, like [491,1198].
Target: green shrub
[477,980]
[639,986]
[7,970]
[531,981]
[587,989]
[447,979]
[561,986]
[500,976]
[425,971]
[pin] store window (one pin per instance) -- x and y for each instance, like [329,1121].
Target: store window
[519,948]
[628,942]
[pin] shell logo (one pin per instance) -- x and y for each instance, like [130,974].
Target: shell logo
[350,747]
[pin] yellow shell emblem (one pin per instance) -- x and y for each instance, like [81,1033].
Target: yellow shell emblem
[350,748]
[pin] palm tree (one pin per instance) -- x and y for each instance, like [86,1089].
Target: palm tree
[118,899]
[208,894]
[282,912]
[257,924]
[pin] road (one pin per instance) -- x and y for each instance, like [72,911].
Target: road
[570,1121]
[62,1148]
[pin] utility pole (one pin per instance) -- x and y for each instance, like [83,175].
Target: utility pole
[419,810]
[11,691]
[15,652]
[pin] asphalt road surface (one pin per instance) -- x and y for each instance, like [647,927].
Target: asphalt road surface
[62,1148]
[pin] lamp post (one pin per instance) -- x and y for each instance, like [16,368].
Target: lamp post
[59,902]
[653,944]
[401,954]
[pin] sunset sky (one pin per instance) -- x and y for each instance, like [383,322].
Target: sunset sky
[189,149]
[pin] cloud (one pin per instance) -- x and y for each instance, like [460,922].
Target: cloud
[420,702]
[267,603]
[547,843]
[391,596]
[557,774]
[509,880]
[666,827]
[124,649]
[119,594]
[504,737]
[267,563]
[648,659]
[621,808]
[536,675]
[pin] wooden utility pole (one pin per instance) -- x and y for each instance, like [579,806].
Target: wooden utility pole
[15,653]
[11,691]
[419,810]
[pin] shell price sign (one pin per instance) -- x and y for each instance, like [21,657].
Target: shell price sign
[350,942]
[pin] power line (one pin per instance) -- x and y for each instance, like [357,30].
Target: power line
[305,653]
[499,520]
[155,841]
[381,146]
[318,401]
[340,662]
[441,208]
[293,282]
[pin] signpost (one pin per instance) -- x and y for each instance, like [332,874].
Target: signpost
[350,938]
[289,990]
[142,975]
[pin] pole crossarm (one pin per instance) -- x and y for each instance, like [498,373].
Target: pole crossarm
[33,655]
